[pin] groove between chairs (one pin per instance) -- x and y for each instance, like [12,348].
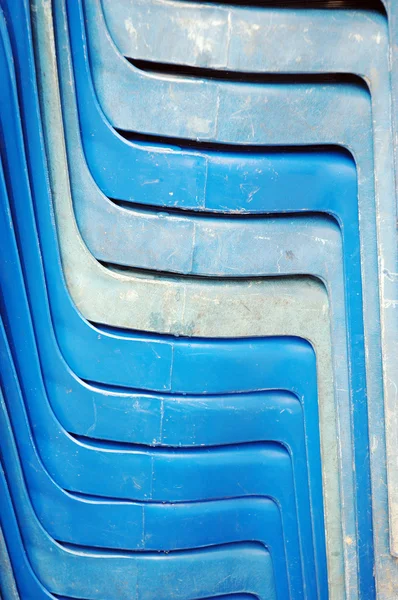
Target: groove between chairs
[202,449]
[319,4]
[110,499]
[133,271]
[244,77]
[202,550]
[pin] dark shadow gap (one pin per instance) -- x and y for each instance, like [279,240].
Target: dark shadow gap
[160,68]
[376,5]
[207,214]
[153,274]
[100,443]
[145,393]
[204,549]
[181,144]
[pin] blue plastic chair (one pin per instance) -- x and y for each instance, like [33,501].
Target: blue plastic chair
[25,311]
[41,419]
[122,524]
[370,61]
[350,469]
[29,586]
[68,565]
[52,438]
[364,512]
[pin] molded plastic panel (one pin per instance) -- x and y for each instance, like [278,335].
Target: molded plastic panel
[85,465]
[275,453]
[106,365]
[370,61]
[361,46]
[239,38]
[99,319]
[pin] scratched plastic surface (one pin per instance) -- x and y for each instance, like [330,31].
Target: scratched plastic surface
[222,37]
[326,453]
[40,421]
[4,372]
[29,586]
[242,383]
[275,456]
[127,519]
[245,320]
[312,44]
[361,46]
[96,574]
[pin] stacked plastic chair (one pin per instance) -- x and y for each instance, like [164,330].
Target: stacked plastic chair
[198,294]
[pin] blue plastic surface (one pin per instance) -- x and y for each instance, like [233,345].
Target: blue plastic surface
[379,101]
[92,574]
[362,438]
[187,393]
[111,209]
[275,453]
[50,502]
[359,61]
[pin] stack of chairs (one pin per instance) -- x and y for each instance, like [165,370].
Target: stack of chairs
[198,292]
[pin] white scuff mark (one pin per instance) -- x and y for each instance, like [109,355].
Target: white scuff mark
[356,36]
[253,192]
[150,182]
[306,38]
[390,275]
[94,424]
[155,353]
[202,43]
[321,240]
[136,484]
[161,421]
[377,38]
[131,30]
[128,295]
[247,105]
[281,256]
[197,32]
[374,444]
[390,303]
[248,29]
